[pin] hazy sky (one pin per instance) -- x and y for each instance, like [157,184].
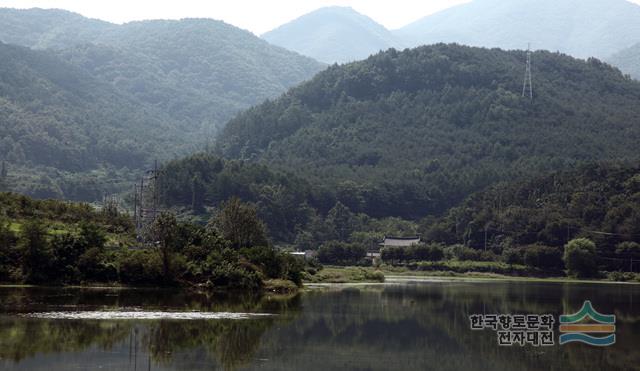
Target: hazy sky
[257,16]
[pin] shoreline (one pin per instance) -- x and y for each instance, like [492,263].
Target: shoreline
[389,278]
[359,275]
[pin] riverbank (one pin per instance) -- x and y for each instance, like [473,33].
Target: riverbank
[336,275]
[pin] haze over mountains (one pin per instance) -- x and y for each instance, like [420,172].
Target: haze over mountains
[333,34]
[581,28]
[190,76]
[628,60]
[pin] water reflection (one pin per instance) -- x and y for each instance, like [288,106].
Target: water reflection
[409,326]
[62,329]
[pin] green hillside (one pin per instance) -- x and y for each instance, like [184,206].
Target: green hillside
[295,211]
[58,120]
[412,133]
[599,202]
[201,71]
[48,28]
[123,95]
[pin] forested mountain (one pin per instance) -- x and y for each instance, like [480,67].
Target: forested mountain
[333,35]
[48,28]
[295,210]
[183,78]
[582,28]
[412,133]
[57,119]
[599,202]
[628,60]
[199,70]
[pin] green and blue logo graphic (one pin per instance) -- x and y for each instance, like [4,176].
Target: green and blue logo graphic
[573,331]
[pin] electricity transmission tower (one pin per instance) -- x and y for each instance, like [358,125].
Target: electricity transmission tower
[146,201]
[528,79]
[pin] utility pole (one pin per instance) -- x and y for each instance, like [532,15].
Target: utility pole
[528,79]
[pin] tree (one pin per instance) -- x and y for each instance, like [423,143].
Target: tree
[197,194]
[35,254]
[580,258]
[164,232]
[341,219]
[238,223]
[3,177]
[92,235]
[341,253]
[543,257]
[7,244]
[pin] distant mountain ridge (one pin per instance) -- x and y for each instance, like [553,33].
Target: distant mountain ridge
[628,60]
[580,28]
[190,76]
[333,34]
[58,120]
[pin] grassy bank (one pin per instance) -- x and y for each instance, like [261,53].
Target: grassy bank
[450,270]
[331,274]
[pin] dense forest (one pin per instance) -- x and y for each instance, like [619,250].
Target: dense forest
[97,102]
[59,122]
[524,227]
[55,242]
[597,202]
[296,211]
[412,133]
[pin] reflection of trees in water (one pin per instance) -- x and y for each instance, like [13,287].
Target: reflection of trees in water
[24,338]
[427,327]
[391,327]
[227,343]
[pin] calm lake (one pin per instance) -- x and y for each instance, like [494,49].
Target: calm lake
[396,326]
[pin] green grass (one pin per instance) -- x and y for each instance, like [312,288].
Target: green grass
[457,266]
[454,270]
[56,228]
[345,275]
[15,227]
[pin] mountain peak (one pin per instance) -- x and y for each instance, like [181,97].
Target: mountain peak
[333,34]
[582,28]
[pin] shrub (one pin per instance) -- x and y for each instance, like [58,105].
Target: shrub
[432,252]
[462,253]
[543,257]
[95,267]
[140,267]
[580,258]
[512,255]
[340,253]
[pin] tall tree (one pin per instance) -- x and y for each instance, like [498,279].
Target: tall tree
[4,175]
[164,232]
[239,223]
[35,254]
